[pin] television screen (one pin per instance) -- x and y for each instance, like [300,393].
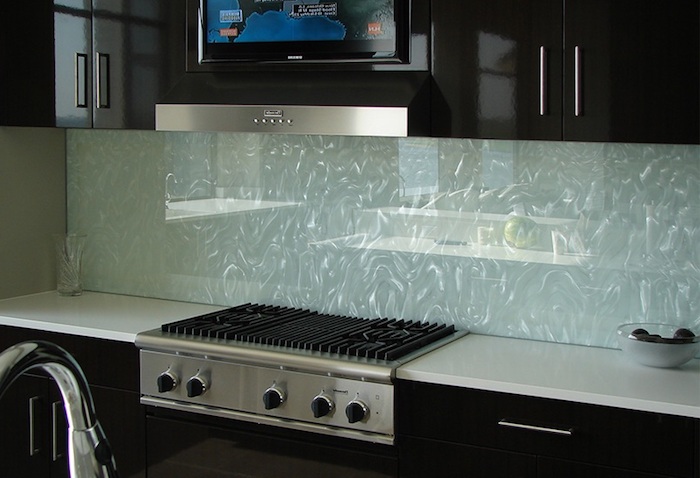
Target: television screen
[302,30]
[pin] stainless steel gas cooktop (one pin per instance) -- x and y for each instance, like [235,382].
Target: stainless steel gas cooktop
[286,367]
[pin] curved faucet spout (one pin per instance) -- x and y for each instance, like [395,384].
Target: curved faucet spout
[89,453]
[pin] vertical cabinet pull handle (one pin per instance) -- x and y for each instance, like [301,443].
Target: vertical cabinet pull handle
[103,84]
[34,433]
[543,81]
[578,82]
[81,80]
[58,429]
[557,431]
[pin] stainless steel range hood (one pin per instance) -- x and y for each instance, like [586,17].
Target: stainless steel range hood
[349,103]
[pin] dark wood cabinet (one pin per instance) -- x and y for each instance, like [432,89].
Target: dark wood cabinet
[33,406]
[457,461]
[600,70]
[26,65]
[88,63]
[498,434]
[421,457]
[486,65]
[549,468]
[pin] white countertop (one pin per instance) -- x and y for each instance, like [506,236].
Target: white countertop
[560,371]
[542,369]
[94,314]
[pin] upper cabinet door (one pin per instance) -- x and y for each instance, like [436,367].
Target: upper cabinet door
[497,69]
[90,63]
[73,63]
[111,25]
[26,63]
[628,70]
[632,71]
[134,48]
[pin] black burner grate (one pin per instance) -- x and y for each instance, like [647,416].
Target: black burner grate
[385,339]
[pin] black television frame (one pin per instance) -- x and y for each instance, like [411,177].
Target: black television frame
[300,53]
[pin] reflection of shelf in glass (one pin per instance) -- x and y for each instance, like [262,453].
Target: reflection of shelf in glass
[467,215]
[217,207]
[457,249]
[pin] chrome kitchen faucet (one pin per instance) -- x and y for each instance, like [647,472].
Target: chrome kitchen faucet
[89,453]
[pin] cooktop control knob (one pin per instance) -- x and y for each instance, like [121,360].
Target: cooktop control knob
[356,411]
[273,397]
[196,386]
[322,405]
[166,382]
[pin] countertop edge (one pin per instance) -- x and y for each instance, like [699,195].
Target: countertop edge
[91,332]
[577,373]
[553,393]
[96,314]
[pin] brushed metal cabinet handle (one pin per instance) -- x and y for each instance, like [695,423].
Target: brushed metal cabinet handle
[543,81]
[557,431]
[102,86]
[56,428]
[34,404]
[578,81]
[80,80]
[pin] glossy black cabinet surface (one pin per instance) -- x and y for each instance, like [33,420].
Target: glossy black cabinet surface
[88,63]
[482,431]
[588,70]
[184,444]
[112,369]
[32,410]
[639,63]
[486,66]
[421,458]
[457,461]
[570,469]
[26,65]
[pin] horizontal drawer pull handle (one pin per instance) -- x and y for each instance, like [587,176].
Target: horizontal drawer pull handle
[557,431]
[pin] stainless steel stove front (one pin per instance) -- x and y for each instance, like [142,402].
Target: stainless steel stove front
[358,408]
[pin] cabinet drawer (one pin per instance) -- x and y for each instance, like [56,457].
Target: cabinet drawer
[548,467]
[634,440]
[419,458]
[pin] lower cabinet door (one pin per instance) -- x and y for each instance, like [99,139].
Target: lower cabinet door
[25,447]
[607,437]
[33,432]
[548,468]
[421,458]
[123,420]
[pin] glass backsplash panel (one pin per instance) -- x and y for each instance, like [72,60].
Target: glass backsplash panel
[552,241]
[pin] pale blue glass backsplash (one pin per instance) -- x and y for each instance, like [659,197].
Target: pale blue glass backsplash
[410,228]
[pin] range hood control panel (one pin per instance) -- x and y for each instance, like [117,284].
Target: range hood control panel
[325,120]
[273,117]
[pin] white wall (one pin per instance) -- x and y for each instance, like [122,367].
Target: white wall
[32,207]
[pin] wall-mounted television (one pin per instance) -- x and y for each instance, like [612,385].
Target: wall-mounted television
[304,31]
